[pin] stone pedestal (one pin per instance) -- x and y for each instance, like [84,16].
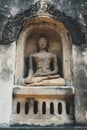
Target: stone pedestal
[42,105]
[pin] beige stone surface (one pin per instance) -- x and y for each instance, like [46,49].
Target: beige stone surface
[46,90]
[7,62]
[41,95]
[40,118]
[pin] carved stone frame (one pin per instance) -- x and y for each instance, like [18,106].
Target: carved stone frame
[60,29]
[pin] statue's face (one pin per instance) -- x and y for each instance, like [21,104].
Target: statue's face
[42,43]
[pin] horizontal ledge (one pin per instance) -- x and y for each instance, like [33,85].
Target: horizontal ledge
[61,127]
[61,97]
[53,90]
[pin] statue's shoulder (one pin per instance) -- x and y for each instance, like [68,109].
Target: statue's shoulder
[33,55]
[53,55]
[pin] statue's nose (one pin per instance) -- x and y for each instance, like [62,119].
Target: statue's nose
[42,44]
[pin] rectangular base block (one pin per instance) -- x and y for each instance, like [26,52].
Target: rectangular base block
[43,106]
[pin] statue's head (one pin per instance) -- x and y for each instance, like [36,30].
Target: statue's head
[42,43]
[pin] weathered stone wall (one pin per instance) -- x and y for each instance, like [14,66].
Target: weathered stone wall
[73,13]
[7,62]
[80,83]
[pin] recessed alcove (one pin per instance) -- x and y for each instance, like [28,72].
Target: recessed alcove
[43,105]
[64,25]
[54,46]
[59,44]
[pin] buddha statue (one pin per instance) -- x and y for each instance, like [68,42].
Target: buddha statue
[43,67]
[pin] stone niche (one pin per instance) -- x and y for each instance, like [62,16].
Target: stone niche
[59,44]
[43,105]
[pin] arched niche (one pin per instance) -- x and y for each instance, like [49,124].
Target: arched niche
[59,43]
